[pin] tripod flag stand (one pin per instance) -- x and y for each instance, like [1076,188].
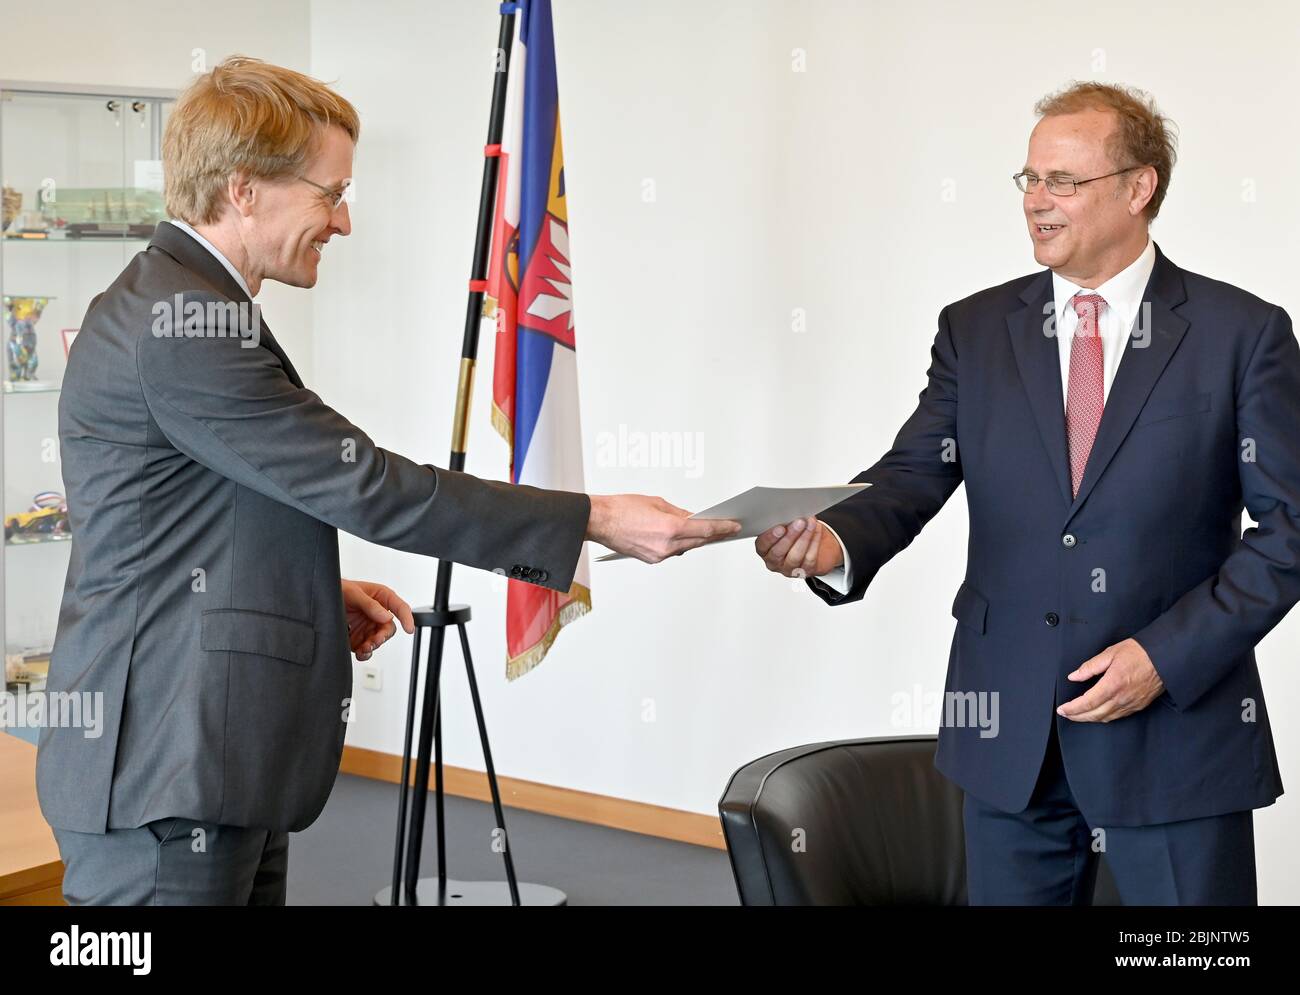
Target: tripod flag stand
[407,888]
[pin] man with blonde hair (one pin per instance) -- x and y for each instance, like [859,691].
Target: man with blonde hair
[205,485]
[1110,415]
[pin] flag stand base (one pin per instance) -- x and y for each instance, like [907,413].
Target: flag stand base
[441,890]
[476,893]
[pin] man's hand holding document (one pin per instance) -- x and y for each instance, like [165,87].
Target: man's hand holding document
[784,521]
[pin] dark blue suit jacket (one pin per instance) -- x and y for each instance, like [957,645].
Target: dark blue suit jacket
[1202,419]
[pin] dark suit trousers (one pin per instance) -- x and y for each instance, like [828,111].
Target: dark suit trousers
[1047,854]
[174,862]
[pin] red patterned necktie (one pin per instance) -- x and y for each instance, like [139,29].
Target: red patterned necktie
[1086,395]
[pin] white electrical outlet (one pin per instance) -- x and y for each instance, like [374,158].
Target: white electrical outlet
[370,678]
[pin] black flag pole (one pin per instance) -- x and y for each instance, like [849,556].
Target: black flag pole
[441,614]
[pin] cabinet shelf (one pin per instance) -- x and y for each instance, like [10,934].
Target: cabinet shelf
[87,159]
[97,240]
[44,541]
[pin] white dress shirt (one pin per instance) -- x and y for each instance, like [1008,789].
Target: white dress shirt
[1123,296]
[214,250]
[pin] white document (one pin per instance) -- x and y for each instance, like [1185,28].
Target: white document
[759,508]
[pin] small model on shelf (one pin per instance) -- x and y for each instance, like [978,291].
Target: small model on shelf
[27,671]
[21,315]
[29,225]
[101,212]
[46,520]
[12,204]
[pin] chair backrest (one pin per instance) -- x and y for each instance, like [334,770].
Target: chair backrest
[853,822]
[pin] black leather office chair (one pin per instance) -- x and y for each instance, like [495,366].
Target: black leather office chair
[854,822]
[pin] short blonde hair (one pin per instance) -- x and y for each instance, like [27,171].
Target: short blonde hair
[247,116]
[1143,136]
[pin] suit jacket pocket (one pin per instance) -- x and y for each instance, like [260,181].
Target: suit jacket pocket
[970,608]
[1166,408]
[238,630]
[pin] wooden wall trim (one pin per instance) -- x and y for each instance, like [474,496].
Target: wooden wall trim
[581,806]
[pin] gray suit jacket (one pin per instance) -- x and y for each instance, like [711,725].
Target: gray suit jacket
[205,485]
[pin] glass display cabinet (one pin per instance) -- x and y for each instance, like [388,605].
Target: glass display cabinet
[81,173]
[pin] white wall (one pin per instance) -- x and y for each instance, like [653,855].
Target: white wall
[775,190]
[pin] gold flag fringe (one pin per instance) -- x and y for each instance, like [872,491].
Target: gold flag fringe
[531,657]
[504,429]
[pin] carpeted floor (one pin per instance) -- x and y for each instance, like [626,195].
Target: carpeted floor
[347,854]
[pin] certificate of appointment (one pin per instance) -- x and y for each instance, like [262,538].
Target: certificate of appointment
[760,508]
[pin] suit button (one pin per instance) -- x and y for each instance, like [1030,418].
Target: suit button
[542,575]
[1068,541]
[1051,618]
[534,574]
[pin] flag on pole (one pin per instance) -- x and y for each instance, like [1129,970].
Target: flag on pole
[535,376]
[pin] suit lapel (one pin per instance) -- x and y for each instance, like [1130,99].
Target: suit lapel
[1146,354]
[1150,345]
[1039,362]
[199,261]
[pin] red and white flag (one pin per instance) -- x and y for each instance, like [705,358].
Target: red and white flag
[535,377]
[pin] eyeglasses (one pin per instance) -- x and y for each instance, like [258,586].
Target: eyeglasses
[335,194]
[1061,186]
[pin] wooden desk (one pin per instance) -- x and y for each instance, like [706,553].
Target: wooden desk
[30,870]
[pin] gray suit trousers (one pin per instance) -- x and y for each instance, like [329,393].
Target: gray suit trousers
[174,862]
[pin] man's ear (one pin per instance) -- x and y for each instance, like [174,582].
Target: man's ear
[1144,188]
[241,191]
